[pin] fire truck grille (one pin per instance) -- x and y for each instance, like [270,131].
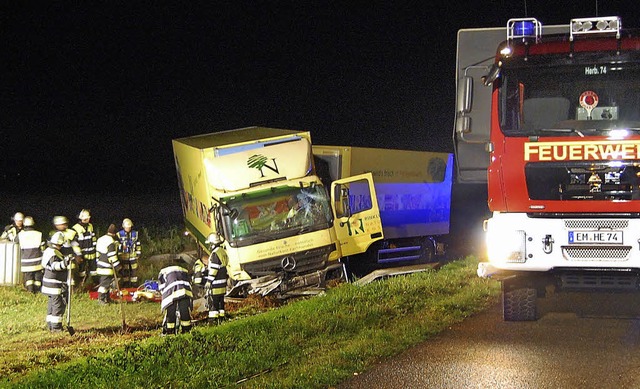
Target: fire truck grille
[298,263]
[596,253]
[589,224]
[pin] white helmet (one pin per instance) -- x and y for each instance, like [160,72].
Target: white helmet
[57,238]
[127,223]
[28,221]
[214,239]
[19,216]
[57,220]
[84,214]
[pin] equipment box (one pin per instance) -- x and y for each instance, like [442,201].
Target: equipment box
[9,263]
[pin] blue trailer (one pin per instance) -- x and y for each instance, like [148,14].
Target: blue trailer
[413,191]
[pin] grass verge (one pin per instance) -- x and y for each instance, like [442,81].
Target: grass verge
[313,343]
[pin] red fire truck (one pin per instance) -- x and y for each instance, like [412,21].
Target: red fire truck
[549,117]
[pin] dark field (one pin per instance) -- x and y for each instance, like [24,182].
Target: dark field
[152,208]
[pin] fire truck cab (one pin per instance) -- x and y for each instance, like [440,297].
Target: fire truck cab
[549,118]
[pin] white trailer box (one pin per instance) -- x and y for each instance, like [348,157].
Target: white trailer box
[9,263]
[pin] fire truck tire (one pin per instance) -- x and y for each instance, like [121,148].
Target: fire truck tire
[519,304]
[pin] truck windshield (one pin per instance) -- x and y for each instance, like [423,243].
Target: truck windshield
[276,214]
[555,99]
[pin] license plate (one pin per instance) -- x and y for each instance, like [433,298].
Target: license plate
[609,237]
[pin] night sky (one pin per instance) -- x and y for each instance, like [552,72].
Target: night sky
[95,92]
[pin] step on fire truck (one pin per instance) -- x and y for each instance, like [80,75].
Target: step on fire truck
[550,119]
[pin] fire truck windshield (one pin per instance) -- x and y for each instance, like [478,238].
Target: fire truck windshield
[543,99]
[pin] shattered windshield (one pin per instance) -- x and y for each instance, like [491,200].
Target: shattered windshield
[577,100]
[276,213]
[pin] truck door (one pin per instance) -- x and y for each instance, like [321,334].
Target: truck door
[356,214]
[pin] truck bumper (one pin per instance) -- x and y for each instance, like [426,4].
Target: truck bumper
[282,286]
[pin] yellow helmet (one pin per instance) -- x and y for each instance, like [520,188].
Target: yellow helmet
[127,223]
[57,220]
[57,238]
[19,216]
[29,222]
[84,214]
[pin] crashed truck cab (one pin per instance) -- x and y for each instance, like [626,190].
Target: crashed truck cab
[283,231]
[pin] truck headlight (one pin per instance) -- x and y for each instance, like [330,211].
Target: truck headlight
[505,245]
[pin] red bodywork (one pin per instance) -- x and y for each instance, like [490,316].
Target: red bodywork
[507,188]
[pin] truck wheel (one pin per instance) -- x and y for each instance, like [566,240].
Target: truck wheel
[427,253]
[519,304]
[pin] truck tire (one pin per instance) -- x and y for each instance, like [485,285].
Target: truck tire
[519,304]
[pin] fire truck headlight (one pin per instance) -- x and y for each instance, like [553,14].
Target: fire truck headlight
[506,245]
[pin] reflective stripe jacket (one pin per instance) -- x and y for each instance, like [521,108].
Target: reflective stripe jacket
[10,232]
[70,247]
[199,272]
[174,283]
[31,247]
[129,244]
[107,251]
[55,272]
[86,240]
[217,271]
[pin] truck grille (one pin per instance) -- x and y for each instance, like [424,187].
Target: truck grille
[597,224]
[305,261]
[596,253]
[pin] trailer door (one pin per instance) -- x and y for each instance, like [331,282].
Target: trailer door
[356,214]
[476,51]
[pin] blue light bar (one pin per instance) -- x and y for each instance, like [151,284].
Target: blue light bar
[525,29]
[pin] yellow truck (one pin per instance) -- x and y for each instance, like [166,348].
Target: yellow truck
[283,230]
[414,197]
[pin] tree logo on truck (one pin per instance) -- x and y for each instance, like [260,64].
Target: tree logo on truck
[259,162]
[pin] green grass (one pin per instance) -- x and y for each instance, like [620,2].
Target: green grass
[312,343]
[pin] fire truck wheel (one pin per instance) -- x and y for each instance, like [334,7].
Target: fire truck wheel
[519,304]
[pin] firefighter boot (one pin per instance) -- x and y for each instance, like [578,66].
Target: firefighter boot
[103,299]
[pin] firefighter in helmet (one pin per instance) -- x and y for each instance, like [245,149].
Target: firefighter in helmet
[107,263]
[11,231]
[87,241]
[70,247]
[174,282]
[129,253]
[54,282]
[32,245]
[216,284]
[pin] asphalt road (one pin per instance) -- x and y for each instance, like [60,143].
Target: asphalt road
[581,340]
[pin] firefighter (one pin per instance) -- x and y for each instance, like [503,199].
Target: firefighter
[70,247]
[177,297]
[87,242]
[107,263]
[32,245]
[54,282]
[199,272]
[11,231]
[216,285]
[130,250]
